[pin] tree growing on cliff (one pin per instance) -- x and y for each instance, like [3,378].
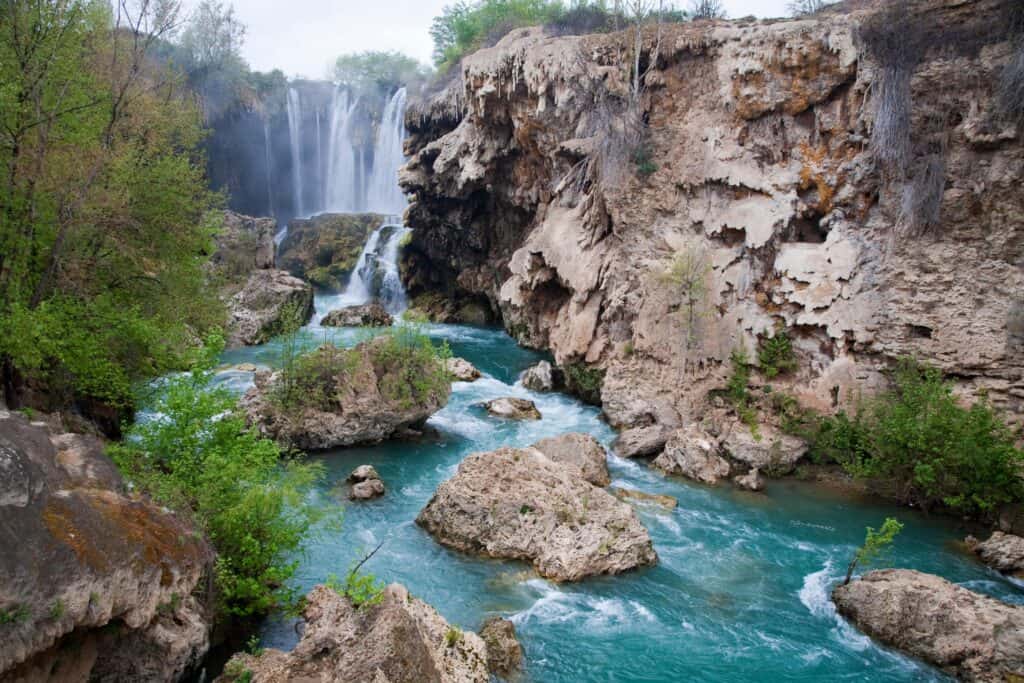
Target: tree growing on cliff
[707,9]
[803,8]
[875,545]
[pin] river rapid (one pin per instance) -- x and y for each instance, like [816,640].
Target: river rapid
[741,589]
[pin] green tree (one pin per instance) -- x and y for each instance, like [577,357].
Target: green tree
[102,199]
[378,72]
[875,544]
[198,456]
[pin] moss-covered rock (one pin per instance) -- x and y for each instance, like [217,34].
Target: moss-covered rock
[324,249]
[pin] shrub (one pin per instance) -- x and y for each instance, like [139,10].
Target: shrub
[776,356]
[935,451]
[416,369]
[643,159]
[688,274]
[584,381]
[363,590]
[198,456]
[802,8]
[453,637]
[875,544]
[707,9]
[13,615]
[737,389]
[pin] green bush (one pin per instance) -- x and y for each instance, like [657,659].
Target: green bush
[876,543]
[775,355]
[198,456]
[737,390]
[363,590]
[934,450]
[584,381]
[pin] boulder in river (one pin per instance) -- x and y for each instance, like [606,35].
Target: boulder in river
[372,314]
[634,496]
[362,473]
[258,312]
[751,481]
[769,450]
[462,370]
[400,640]
[968,635]
[367,490]
[357,396]
[581,451]
[504,653]
[513,408]
[325,249]
[96,584]
[693,453]
[641,441]
[518,503]
[542,377]
[1003,552]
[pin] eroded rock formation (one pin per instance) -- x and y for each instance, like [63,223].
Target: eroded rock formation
[462,370]
[364,315]
[270,301]
[971,636]
[760,184]
[1003,552]
[325,249]
[581,451]
[97,585]
[400,640]
[362,397]
[517,503]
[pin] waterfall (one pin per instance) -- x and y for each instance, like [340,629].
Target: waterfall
[343,173]
[376,275]
[319,167]
[384,194]
[295,138]
[268,161]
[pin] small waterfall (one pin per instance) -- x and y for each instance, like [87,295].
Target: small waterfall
[295,138]
[320,199]
[384,194]
[342,171]
[268,161]
[376,275]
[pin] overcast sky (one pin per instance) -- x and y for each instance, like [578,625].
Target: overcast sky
[302,37]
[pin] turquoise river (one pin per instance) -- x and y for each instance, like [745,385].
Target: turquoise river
[741,590]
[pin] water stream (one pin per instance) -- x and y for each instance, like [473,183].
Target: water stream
[741,589]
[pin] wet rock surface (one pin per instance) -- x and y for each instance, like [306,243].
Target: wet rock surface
[1003,552]
[400,640]
[641,441]
[542,377]
[642,497]
[365,315]
[258,312]
[970,636]
[80,555]
[581,451]
[513,409]
[693,453]
[462,370]
[504,653]
[519,504]
[751,481]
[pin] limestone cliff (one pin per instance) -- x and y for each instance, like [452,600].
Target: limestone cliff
[754,172]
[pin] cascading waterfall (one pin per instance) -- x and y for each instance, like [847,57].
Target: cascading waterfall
[384,195]
[342,185]
[268,160]
[319,166]
[295,139]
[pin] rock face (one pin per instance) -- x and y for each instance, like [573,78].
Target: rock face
[365,315]
[519,504]
[400,640]
[762,176]
[244,244]
[541,377]
[770,450]
[1003,552]
[462,370]
[641,441]
[751,481]
[504,653]
[79,556]
[581,451]
[257,312]
[971,636]
[513,409]
[693,453]
[325,249]
[366,400]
